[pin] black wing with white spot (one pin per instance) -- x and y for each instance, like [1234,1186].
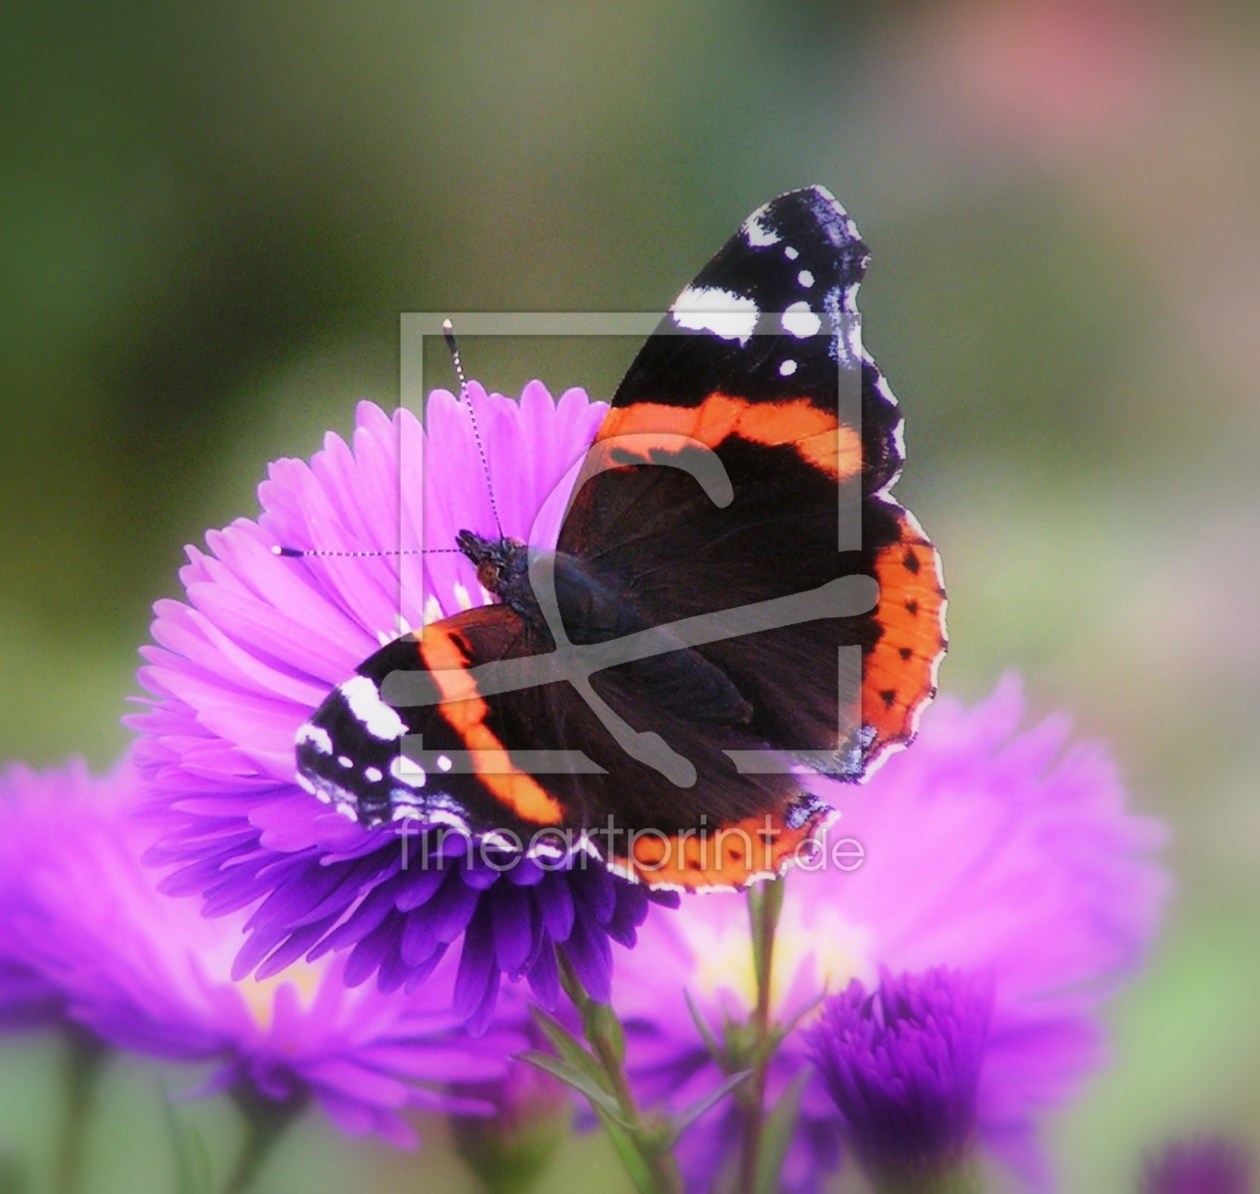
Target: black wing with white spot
[776,313]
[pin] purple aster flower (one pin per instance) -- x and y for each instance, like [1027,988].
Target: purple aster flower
[150,973]
[1206,1166]
[902,1066]
[239,667]
[1006,855]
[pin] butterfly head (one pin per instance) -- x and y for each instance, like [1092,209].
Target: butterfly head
[502,564]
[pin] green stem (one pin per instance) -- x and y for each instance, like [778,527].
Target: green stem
[960,1179]
[603,1034]
[765,901]
[83,1068]
[265,1122]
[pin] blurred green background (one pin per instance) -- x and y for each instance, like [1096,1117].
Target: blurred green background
[212,217]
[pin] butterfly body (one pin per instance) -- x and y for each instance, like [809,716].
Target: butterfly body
[593,609]
[734,595]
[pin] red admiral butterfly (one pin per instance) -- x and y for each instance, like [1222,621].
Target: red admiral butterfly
[733,592]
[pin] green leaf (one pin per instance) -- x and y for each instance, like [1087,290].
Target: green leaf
[598,1097]
[601,1024]
[192,1159]
[568,1046]
[679,1123]
[782,1031]
[702,1027]
[554,1031]
[776,1135]
[630,1156]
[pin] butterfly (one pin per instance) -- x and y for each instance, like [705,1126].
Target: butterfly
[735,597]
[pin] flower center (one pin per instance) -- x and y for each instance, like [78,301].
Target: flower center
[260,995]
[815,952]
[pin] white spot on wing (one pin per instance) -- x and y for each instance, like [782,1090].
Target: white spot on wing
[437,816]
[790,253]
[805,278]
[364,699]
[787,368]
[444,763]
[432,611]
[316,736]
[346,761]
[711,309]
[462,598]
[802,321]
[373,775]
[757,234]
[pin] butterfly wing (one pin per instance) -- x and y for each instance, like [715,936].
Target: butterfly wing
[476,726]
[759,366]
[422,755]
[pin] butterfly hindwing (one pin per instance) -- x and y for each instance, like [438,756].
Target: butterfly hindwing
[432,735]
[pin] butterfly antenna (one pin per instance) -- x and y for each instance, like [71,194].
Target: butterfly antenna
[448,332]
[304,553]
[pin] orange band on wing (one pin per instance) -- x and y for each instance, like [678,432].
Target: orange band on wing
[465,710]
[730,856]
[817,436]
[899,675]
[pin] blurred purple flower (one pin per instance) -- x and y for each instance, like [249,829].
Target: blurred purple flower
[239,667]
[26,1001]
[512,1148]
[1006,855]
[1206,1166]
[27,998]
[902,1065]
[149,973]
